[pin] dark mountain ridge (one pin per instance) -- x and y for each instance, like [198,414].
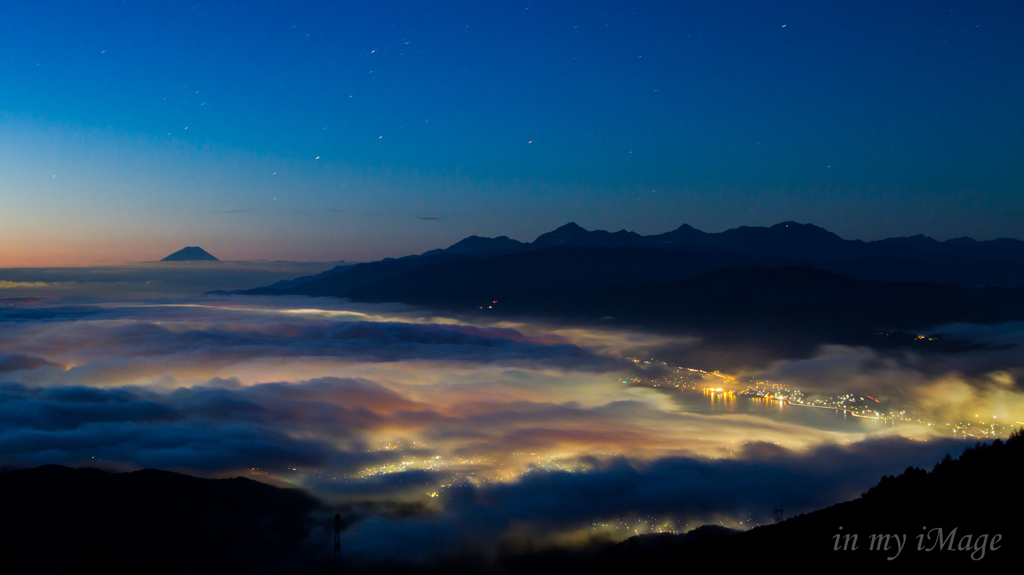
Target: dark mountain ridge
[962,261]
[792,240]
[478,244]
[341,280]
[573,235]
[787,309]
[758,285]
[288,284]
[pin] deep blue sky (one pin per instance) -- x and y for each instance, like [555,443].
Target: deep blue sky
[870,118]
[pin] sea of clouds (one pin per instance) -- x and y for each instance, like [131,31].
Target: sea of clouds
[492,434]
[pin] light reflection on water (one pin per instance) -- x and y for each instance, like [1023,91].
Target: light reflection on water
[711,403]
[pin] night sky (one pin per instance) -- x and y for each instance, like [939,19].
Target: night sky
[357,130]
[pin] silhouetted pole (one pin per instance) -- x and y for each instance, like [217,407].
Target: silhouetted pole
[337,538]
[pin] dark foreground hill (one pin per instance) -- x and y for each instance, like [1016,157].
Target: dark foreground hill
[963,516]
[60,520]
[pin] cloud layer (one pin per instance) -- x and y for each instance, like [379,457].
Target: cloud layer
[487,434]
[618,497]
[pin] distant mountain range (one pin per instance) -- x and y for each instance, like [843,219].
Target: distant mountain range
[792,240]
[793,277]
[685,252]
[190,254]
[787,239]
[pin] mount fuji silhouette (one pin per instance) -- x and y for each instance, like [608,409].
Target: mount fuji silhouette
[190,254]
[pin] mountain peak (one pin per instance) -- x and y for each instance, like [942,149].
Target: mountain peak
[573,235]
[190,254]
[570,233]
[476,243]
[798,226]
